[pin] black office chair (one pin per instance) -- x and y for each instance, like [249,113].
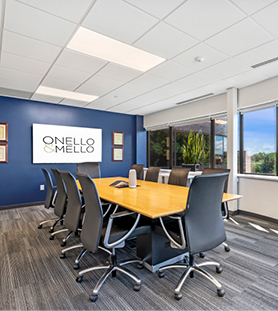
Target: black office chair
[152,173]
[201,228]
[178,176]
[50,195]
[224,205]
[72,217]
[90,168]
[60,200]
[121,226]
[139,170]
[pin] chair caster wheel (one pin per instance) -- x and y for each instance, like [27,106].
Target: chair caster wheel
[39,226]
[137,287]
[140,266]
[63,243]
[202,255]
[76,266]
[161,274]
[178,296]
[227,248]
[219,269]
[51,237]
[93,298]
[79,279]
[51,230]
[220,292]
[63,255]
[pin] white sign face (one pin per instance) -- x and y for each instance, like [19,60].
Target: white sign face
[66,144]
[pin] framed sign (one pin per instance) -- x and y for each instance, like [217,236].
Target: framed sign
[118,138]
[66,144]
[3,132]
[117,154]
[4,153]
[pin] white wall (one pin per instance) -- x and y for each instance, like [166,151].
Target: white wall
[259,195]
[203,107]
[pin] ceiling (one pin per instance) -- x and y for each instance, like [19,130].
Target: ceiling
[231,36]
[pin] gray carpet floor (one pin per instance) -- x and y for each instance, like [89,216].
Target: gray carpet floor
[33,277]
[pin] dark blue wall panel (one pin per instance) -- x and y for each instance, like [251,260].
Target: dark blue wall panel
[20,179]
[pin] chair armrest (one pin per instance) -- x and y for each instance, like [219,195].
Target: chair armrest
[173,242]
[109,227]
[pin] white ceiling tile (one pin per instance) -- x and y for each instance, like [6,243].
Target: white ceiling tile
[240,37]
[195,80]
[80,61]
[103,82]
[226,69]
[71,10]
[18,85]
[149,82]
[72,102]
[157,8]
[133,89]
[259,54]
[68,74]
[103,103]
[247,78]
[12,74]
[127,106]
[23,64]
[253,6]
[165,41]
[118,72]
[218,87]
[46,98]
[59,84]
[15,93]
[268,18]
[118,20]
[34,23]
[211,57]
[202,19]
[92,90]
[28,47]
[270,70]
[171,71]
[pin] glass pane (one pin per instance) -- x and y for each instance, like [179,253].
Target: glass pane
[259,132]
[221,142]
[180,139]
[159,148]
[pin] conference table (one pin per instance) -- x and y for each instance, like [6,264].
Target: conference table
[152,200]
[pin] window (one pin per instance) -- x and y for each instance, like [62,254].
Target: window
[259,142]
[220,149]
[180,137]
[159,145]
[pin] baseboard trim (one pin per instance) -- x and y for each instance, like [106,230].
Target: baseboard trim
[20,205]
[270,219]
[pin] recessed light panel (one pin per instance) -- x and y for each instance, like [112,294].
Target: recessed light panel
[95,44]
[65,94]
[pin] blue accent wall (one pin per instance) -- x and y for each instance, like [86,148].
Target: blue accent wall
[20,179]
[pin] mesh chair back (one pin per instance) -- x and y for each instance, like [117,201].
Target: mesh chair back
[61,197]
[139,170]
[210,171]
[203,220]
[178,176]
[49,189]
[152,173]
[90,168]
[92,225]
[74,205]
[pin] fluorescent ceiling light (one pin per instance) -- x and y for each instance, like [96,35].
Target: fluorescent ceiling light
[92,43]
[65,94]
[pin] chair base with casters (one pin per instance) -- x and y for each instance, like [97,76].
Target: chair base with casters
[190,268]
[64,242]
[111,268]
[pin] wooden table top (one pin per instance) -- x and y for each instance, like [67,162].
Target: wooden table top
[149,199]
